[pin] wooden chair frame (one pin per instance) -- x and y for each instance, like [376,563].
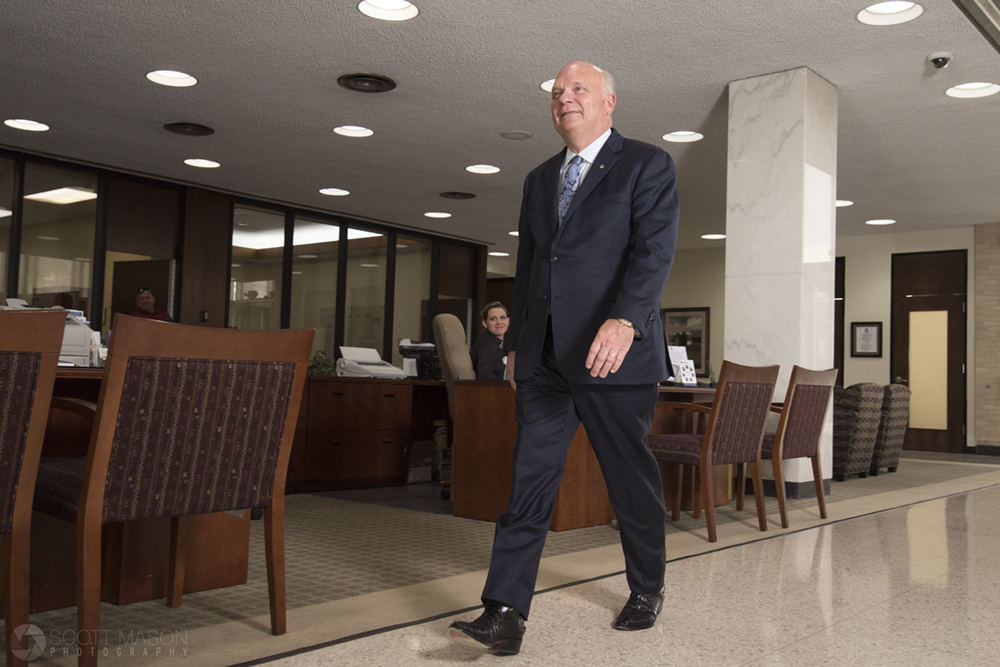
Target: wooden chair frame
[137,337]
[40,332]
[800,376]
[703,485]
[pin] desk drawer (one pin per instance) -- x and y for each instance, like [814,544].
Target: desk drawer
[359,406]
[356,455]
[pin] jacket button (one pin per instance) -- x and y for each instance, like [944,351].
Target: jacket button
[554,258]
[545,297]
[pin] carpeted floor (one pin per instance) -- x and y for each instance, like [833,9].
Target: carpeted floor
[347,551]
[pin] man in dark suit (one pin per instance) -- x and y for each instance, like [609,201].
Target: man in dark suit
[596,241]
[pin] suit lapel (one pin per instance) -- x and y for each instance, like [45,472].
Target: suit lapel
[606,159]
[550,186]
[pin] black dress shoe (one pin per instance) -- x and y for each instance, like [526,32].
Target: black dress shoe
[499,629]
[640,611]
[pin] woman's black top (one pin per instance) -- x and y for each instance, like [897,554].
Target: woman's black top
[487,357]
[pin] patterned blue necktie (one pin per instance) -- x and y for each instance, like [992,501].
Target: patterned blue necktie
[569,186]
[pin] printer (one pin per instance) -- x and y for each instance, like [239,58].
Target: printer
[365,362]
[78,337]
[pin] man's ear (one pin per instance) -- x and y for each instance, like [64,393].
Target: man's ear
[609,102]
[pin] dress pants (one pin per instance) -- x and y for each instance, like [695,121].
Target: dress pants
[617,419]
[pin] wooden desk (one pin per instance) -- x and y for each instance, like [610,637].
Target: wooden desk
[134,553]
[483,443]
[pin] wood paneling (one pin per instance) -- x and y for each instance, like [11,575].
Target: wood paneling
[143,218]
[206,257]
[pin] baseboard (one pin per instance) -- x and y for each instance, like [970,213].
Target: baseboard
[988,450]
[793,490]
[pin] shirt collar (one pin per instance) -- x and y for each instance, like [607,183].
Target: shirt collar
[589,154]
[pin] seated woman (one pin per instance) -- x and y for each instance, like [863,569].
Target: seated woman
[487,352]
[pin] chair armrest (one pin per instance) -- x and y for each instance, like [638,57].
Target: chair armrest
[690,407]
[778,409]
[77,406]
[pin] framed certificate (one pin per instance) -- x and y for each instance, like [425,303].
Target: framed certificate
[688,328]
[866,339]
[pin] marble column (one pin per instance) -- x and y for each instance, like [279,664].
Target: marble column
[780,227]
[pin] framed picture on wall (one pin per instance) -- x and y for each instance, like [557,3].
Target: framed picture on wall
[688,328]
[866,339]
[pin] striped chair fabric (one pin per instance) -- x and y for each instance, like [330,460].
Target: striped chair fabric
[18,379]
[892,428]
[857,414]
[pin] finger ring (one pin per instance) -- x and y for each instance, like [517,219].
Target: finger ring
[612,355]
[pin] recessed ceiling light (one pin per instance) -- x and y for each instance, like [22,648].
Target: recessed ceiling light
[47,238]
[890,13]
[713,237]
[334,192]
[483,169]
[513,233]
[499,254]
[60,196]
[202,164]
[168,77]
[4,213]
[547,85]
[370,266]
[189,129]
[457,195]
[366,83]
[24,124]
[969,90]
[683,136]
[296,273]
[235,266]
[389,10]
[437,214]
[307,256]
[880,222]
[844,202]
[401,246]
[353,131]
[516,135]
[242,224]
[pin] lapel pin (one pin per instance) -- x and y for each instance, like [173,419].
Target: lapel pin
[602,166]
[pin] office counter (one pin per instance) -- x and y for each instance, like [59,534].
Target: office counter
[483,442]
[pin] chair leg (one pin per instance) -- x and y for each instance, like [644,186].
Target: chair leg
[741,485]
[708,496]
[779,489]
[675,510]
[274,547]
[758,495]
[178,560]
[818,479]
[696,491]
[88,591]
[15,595]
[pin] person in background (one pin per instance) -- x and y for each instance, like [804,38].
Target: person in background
[596,241]
[487,351]
[145,306]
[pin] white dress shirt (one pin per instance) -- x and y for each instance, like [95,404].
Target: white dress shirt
[589,154]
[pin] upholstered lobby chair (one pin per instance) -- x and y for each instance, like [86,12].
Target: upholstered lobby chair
[892,428]
[857,412]
[190,420]
[799,430]
[453,354]
[29,352]
[733,434]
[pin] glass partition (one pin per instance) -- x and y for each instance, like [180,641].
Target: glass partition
[255,278]
[57,237]
[6,207]
[314,282]
[364,324]
[412,291]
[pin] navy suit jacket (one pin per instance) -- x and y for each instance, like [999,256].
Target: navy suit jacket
[609,259]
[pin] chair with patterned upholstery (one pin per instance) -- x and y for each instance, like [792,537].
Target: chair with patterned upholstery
[733,434]
[799,430]
[857,412]
[29,352]
[892,428]
[190,420]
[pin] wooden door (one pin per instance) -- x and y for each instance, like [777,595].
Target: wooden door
[928,346]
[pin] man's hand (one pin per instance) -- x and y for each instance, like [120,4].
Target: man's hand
[510,370]
[609,348]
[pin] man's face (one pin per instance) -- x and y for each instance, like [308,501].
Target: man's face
[145,301]
[579,106]
[496,321]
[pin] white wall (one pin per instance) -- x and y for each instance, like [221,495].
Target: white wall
[868,298]
[698,280]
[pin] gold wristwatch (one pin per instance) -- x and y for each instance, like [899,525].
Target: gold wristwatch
[625,323]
